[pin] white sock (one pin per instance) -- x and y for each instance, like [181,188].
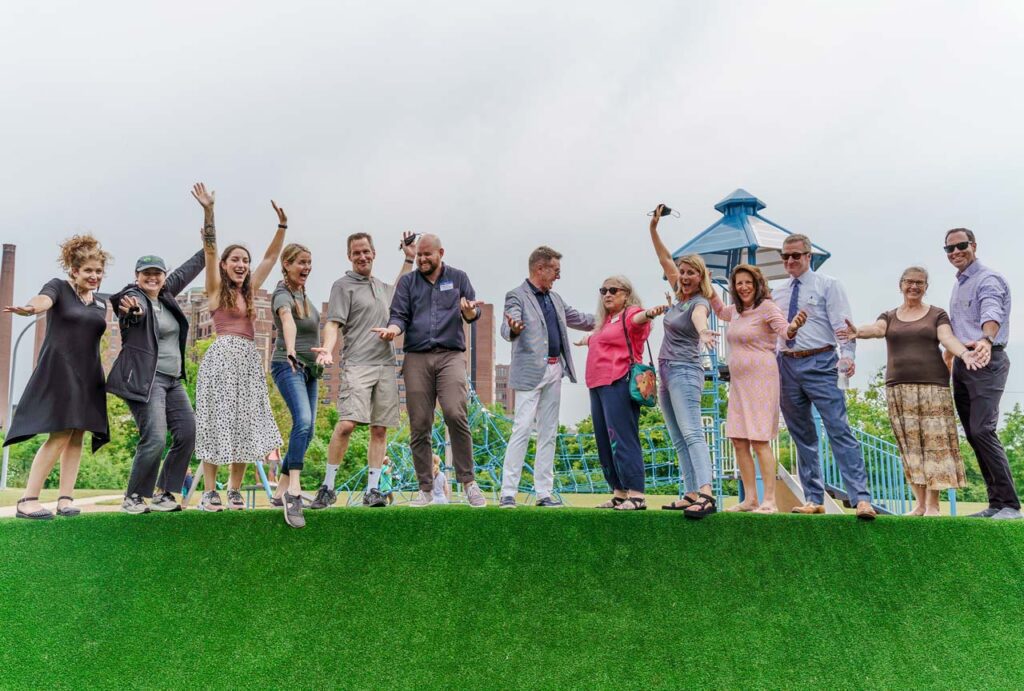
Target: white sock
[372,478]
[329,475]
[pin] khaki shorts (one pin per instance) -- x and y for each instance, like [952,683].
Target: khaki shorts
[369,395]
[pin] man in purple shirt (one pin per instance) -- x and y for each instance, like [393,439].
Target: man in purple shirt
[979,311]
[429,307]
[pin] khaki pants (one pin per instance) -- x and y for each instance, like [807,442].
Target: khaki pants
[431,378]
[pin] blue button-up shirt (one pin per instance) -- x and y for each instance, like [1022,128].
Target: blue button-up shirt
[550,318]
[980,295]
[827,307]
[428,313]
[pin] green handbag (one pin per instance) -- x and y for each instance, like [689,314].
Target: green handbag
[643,379]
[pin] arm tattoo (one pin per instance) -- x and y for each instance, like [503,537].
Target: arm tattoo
[209,236]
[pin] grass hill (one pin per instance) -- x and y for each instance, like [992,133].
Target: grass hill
[454,597]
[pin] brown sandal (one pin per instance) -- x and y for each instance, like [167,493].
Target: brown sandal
[39,515]
[679,504]
[632,504]
[610,504]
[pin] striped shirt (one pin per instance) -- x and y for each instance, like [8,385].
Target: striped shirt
[980,295]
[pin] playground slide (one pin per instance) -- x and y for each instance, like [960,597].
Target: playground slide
[789,493]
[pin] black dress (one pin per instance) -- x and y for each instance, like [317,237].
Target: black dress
[66,390]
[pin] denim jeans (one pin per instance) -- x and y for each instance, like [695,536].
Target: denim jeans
[617,434]
[168,407]
[300,395]
[679,390]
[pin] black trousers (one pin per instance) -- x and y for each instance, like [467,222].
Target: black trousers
[977,395]
[168,408]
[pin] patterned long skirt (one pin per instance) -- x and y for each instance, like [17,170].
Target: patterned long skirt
[234,423]
[922,420]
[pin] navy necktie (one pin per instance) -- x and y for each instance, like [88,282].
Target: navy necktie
[794,298]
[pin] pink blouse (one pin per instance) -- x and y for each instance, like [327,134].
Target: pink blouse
[607,354]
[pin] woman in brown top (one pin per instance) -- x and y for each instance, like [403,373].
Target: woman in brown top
[917,389]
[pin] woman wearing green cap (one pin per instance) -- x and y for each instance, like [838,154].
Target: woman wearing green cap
[149,375]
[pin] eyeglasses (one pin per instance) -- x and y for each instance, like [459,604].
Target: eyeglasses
[957,246]
[610,291]
[914,282]
[786,256]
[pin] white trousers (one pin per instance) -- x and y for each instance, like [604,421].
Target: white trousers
[536,407]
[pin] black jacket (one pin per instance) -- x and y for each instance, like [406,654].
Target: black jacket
[134,370]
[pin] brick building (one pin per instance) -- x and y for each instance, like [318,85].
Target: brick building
[503,393]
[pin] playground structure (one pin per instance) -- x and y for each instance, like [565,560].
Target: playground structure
[742,235]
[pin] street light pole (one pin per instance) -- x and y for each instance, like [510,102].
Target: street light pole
[10,401]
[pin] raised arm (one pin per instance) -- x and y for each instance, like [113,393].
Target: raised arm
[408,247]
[179,279]
[664,256]
[266,265]
[722,311]
[209,235]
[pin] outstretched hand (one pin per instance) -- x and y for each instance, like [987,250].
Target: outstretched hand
[130,305]
[584,341]
[847,333]
[656,311]
[516,327]
[205,199]
[468,308]
[282,219]
[323,357]
[408,244]
[384,333]
[26,311]
[709,339]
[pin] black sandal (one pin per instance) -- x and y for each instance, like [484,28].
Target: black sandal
[677,506]
[706,504]
[67,511]
[40,515]
[632,504]
[612,503]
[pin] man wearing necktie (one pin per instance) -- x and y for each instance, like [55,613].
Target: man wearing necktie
[808,370]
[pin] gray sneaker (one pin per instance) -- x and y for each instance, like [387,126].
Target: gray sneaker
[374,498]
[550,503]
[134,504]
[211,502]
[293,510]
[325,496]
[475,496]
[165,502]
[507,503]
[236,501]
[422,499]
[1007,514]
[984,513]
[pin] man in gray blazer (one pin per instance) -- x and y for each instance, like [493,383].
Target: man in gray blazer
[535,323]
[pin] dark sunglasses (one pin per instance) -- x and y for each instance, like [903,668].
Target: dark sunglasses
[958,246]
[610,291]
[786,256]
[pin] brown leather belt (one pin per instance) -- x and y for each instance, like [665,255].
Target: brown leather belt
[807,353]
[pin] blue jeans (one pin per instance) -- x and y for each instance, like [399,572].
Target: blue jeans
[679,390]
[617,433]
[299,394]
[812,380]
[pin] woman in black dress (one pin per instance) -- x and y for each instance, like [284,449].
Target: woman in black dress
[65,396]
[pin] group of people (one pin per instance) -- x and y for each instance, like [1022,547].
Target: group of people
[778,362]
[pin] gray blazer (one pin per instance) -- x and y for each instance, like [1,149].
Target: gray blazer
[530,348]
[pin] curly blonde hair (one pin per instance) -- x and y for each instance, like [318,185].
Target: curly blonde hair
[79,249]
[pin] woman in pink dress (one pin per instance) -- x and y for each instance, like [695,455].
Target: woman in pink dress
[752,421]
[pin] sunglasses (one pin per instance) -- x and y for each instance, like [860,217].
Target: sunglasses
[786,256]
[610,291]
[958,246]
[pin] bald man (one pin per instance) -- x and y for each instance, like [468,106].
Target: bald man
[429,307]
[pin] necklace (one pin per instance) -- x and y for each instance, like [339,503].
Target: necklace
[78,295]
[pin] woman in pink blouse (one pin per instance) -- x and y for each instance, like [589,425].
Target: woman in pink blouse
[615,414]
[752,421]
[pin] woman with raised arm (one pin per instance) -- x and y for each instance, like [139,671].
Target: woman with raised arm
[623,326]
[234,423]
[149,374]
[917,389]
[681,373]
[752,419]
[65,396]
[295,369]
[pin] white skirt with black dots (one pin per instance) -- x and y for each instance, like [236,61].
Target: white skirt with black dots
[234,423]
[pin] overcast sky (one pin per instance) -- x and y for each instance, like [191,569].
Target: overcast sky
[871,126]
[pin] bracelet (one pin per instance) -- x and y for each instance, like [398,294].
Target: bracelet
[409,261]
[282,226]
[647,313]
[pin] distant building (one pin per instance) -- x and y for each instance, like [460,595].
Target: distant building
[503,393]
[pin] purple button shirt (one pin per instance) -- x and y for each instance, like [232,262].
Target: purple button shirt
[980,295]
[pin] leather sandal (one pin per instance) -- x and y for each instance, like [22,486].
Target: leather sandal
[705,507]
[632,504]
[67,511]
[610,504]
[679,504]
[39,515]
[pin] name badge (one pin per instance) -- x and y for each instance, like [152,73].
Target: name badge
[446,285]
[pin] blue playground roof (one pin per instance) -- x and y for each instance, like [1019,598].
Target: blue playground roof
[741,236]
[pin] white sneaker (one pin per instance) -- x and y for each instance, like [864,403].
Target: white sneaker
[475,496]
[422,499]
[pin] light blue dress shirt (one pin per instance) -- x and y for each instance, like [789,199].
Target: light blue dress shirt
[827,307]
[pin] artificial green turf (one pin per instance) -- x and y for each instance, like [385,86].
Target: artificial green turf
[454,597]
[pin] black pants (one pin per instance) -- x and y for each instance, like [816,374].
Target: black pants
[617,433]
[977,395]
[168,408]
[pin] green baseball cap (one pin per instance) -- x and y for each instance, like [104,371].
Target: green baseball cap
[150,261]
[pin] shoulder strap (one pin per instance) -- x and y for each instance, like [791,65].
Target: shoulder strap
[625,332]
